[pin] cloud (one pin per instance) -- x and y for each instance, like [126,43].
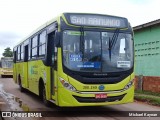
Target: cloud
[140,2]
[8,39]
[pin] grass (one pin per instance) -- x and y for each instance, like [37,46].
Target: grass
[148,97]
[147,93]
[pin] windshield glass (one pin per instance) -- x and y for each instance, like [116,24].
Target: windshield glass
[91,52]
[7,63]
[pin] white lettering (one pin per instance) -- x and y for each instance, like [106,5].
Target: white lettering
[96,21]
[136,114]
[78,20]
[73,19]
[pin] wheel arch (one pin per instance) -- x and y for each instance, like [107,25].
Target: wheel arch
[19,79]
[40,86]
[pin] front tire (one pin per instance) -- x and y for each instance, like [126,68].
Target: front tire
[45,101]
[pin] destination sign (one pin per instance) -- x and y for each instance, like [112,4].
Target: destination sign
[98,20]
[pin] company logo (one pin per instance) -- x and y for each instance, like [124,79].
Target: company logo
[6,114]
[101,87]
[21,114]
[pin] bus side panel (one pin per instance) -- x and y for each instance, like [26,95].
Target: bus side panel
[55,87]
[36,71]
[44,73]
[25,71]
[14,73]
[47,82]
[33,76]
[19,72]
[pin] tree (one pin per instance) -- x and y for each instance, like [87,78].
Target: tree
[8,52]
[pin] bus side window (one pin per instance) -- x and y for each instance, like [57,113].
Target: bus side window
[34,44]
[18,54]
[22,52]
[42,44]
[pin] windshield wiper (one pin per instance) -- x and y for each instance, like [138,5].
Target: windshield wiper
[82,41]
[113,41]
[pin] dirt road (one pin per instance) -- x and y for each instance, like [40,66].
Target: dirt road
[12,99]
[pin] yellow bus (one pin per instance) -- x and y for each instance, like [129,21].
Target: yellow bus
[78,59]
[6,66]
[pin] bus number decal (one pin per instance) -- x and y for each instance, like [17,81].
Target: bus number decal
[89,87]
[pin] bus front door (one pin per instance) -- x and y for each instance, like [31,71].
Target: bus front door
[50,47]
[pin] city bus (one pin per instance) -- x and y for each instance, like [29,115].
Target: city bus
[78,59]
[6,66]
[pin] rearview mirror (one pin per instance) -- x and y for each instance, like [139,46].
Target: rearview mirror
[57,39]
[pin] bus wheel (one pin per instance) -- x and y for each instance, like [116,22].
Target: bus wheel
[45,101]
[20,86]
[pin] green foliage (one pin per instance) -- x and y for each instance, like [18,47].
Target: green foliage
[147,93]
[149,99]
[8,52]
[147,96]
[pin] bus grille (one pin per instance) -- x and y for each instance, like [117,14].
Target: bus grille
[92,99]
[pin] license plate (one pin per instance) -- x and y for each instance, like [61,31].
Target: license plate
[97,96]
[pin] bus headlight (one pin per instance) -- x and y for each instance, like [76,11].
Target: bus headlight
[128,85]
[67,85]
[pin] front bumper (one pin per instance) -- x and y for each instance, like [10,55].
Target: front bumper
[73,99]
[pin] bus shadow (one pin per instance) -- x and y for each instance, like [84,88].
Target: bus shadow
[89,111]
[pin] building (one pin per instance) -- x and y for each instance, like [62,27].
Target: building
[147,56]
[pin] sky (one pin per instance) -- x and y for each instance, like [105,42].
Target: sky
[18,18]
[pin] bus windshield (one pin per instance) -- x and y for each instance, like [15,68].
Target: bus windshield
[7,63]
[93,53]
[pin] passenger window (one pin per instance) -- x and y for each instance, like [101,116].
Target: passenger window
[18,53]
[34,42]
[34,47]
[42,44]
[22,52]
